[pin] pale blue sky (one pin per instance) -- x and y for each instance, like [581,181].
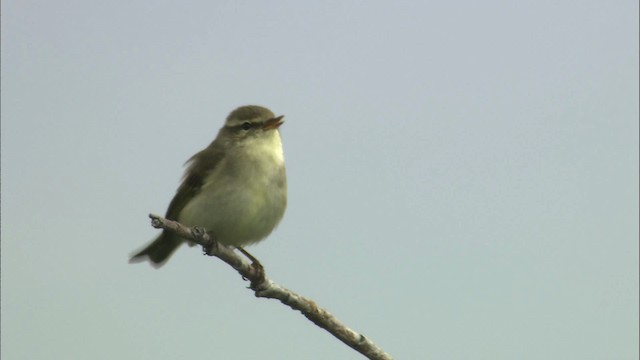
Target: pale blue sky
[463,176]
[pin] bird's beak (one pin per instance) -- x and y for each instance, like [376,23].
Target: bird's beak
[273,123]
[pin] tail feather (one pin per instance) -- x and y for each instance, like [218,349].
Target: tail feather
[158,251]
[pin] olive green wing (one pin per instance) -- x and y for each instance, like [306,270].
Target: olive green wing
[200,166]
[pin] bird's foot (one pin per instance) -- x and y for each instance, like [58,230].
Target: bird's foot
[210,247]
[257,267]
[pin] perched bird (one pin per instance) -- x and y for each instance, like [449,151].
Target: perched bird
[236,188]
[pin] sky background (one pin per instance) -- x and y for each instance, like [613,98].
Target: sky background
[463,176]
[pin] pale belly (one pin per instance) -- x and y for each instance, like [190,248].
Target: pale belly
[238,214]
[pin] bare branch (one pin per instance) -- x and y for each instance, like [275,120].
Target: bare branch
[265,288]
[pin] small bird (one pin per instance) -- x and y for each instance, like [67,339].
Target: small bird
[236,188]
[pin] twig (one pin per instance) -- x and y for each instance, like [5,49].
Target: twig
[265,288]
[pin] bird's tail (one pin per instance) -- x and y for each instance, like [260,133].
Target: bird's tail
[158,251]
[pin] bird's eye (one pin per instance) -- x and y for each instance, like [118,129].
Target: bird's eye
[246,126]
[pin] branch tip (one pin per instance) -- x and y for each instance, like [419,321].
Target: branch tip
[156,221]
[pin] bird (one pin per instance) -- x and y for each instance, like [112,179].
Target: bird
[235,188]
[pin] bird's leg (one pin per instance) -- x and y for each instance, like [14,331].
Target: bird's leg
[255,263]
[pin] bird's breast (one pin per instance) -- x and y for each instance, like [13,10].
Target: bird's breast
[244,198]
